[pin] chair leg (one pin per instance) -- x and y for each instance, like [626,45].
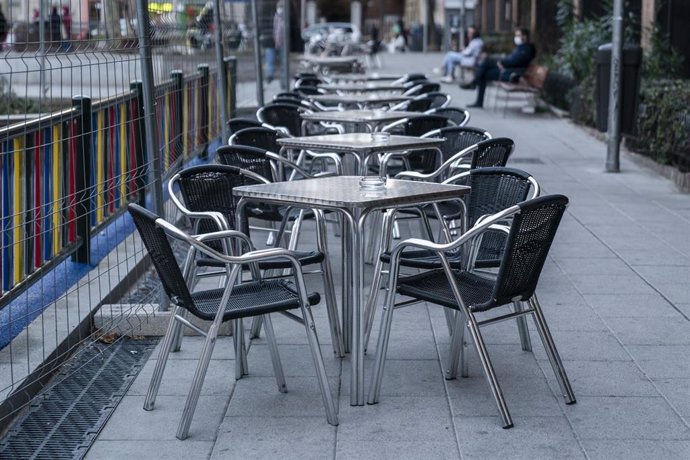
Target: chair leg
[241,367]
[372,298]
[489,372]
[382,346]
[332,308]
[155,384]
[197,383]
[328,402]
[275,356]
[523,330]
[552,352]
[450,320]
[178,333]
[457,348]
[371,244]
[255,330]
[464,365]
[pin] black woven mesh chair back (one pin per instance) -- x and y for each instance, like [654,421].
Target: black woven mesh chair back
[247,158]
[308,90]
[288,95]
[458,116]
[414,77]
[162,256]
[423,160]
[418,105]
[308,81]
[287,100]
[495,189]
[301,75]
[262,138]
[531,234]
[284,115]
[459,138]
[437,99]
[494,152]
[238,124]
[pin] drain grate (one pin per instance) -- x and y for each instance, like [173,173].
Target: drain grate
[64,420]
[527,160]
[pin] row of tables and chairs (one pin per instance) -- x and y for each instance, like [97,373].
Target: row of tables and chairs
[365,152]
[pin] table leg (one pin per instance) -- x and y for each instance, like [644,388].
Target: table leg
[357,355]
[346,231]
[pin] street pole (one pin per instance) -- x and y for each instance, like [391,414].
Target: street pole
[152,148]
[302,15]
[257,55]
[614,128]
[425,26]
[222,71]
[463,24]
[286,45]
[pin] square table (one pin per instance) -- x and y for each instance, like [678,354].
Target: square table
[360,100]
[372,119]
[342,194]
[363,77]
[365,87]
[361,145]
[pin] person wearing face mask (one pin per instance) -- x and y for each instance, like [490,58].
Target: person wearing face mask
[509,68]
[466,58]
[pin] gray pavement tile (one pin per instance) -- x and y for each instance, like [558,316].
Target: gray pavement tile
[662,361]
[259,397]
[130,422]
[525,397]
[569,314]
[631,305]
[296,359]
[394,450]
[401,378]
[675,292]
[610,284]
[626,418]
[192,345]
[581,251]
[602,378]
[677,391]
[510,362]
[417,418]
[664,274]
[150,450]
[585,346]
[651,330]
[530,438]
[275,437]
[178,375]
[575,266]
[653,256]
[684,308]
[631,449]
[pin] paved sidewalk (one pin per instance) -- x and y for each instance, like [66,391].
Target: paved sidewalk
[616,293]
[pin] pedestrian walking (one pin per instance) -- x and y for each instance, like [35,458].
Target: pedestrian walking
[55,28]
[273,49]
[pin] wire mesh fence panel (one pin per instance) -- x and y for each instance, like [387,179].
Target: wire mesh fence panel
[73,155]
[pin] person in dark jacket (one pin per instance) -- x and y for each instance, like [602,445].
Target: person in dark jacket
[509,68]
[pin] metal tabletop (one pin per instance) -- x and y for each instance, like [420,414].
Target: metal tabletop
[360,143]
[359,77]
[342,193]
[360,116]
[367,87]
[330,60]
[359,99]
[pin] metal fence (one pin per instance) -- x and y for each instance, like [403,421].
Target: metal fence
[73,154]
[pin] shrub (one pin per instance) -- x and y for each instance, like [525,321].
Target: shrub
[663,123]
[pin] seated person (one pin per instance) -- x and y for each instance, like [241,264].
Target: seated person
[509,68]
[465,58]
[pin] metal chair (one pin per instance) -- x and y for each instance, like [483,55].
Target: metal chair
[422,88]
[284,117]
[492,190]
[237,124]
[236,301]
[423,102]
[260,137]
[308,81]
[459,116]
[468,295]
[207,198]
[409,77]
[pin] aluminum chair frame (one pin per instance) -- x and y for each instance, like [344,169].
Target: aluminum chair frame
[440,111]
[234,266]
[465,316]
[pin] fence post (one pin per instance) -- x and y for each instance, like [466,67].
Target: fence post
[222,71]
[83,179]
[178,93]
[231,74]
[204,125]
[139,127]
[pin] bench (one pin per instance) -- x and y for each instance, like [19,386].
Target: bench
[531,83]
